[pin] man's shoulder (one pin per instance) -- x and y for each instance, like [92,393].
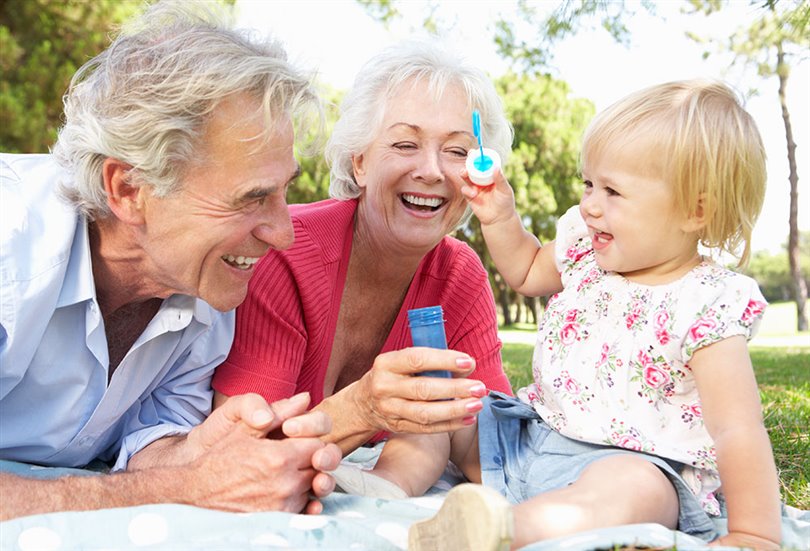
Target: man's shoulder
[36,224]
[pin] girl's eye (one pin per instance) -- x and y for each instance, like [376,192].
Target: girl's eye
[611,191]
[587,183]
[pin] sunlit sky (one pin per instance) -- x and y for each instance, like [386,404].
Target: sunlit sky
[335,37]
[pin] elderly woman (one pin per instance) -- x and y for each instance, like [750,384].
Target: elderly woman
[329,315]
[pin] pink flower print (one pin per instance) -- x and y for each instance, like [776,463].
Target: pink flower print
[569,333]
[696,410]
[571,386]
[631,319]
[628,442]
[702,327]
[655,377]
[604,355]
[662,336]
[660,319]
[574,253]
[752,311]
[571,315]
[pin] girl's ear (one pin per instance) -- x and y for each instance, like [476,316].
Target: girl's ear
[359,169]
[697,220]
[123,197]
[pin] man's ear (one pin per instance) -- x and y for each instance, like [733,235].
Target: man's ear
[359,169]
[124,198]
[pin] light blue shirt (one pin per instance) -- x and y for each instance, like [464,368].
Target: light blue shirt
[56,407]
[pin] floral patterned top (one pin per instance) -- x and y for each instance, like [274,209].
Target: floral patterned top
[611,363]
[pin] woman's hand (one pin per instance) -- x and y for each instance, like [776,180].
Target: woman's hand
[393,397]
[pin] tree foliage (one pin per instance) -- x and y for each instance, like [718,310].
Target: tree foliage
[313,183]
[773,42]
[535,52]
[543,167]
[42,43]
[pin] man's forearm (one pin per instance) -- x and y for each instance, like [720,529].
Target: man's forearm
[28,496]
[169,451]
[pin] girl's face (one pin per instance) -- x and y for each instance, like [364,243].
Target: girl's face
[629,210]
[410,174]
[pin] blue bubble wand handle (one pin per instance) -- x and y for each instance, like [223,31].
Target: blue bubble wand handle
[476,120]
[427,329]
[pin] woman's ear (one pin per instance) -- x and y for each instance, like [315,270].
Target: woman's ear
[359,169]
[123,197]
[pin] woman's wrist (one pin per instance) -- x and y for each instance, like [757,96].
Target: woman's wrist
[351,418]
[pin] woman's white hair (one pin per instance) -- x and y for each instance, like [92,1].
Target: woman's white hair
[147,98]
[363,108]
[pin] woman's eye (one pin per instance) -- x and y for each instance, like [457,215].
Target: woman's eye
[404,145]
[458,151]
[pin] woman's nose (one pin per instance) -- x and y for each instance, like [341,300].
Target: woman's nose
[429,169]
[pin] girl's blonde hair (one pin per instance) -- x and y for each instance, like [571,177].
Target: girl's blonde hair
[700,139]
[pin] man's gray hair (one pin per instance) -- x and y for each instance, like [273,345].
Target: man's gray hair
[363,108]
[147,98]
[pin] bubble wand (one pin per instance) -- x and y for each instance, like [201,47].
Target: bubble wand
[481,162]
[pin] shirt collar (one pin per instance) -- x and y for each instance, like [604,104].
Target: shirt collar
[78,284]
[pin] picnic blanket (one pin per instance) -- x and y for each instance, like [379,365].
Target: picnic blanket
[348,522]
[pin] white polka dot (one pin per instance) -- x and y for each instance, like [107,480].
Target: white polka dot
[270,539]
[309,522]
[351,514]
[395,533]
[39,538]
[148,529]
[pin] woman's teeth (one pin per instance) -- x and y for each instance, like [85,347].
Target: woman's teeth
[241,262]
[430,202]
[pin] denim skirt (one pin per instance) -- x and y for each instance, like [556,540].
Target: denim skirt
[521,456]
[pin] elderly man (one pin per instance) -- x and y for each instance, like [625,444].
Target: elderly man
[123,255]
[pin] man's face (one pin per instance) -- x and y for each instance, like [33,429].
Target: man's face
[205,239]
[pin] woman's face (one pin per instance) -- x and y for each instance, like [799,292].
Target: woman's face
[410,174]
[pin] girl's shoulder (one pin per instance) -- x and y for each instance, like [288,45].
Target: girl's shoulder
[572,242]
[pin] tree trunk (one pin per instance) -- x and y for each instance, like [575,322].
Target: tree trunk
[503,300]
[798,285]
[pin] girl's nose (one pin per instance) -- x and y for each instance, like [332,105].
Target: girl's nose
[590,204]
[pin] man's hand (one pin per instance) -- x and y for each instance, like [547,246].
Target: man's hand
[231,464]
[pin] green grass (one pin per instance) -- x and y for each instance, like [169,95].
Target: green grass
[783,375]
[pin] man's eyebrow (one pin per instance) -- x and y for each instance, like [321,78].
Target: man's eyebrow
[261,192]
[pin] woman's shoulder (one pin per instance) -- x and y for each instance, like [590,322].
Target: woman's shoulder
[453,256]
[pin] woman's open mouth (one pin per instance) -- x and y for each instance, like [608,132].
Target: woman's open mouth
[420,203]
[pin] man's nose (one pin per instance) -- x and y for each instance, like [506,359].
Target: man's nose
[276,228]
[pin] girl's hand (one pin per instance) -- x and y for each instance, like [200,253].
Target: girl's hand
[492,203]
[745,541]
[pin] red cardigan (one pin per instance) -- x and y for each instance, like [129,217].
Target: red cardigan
[286,326]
